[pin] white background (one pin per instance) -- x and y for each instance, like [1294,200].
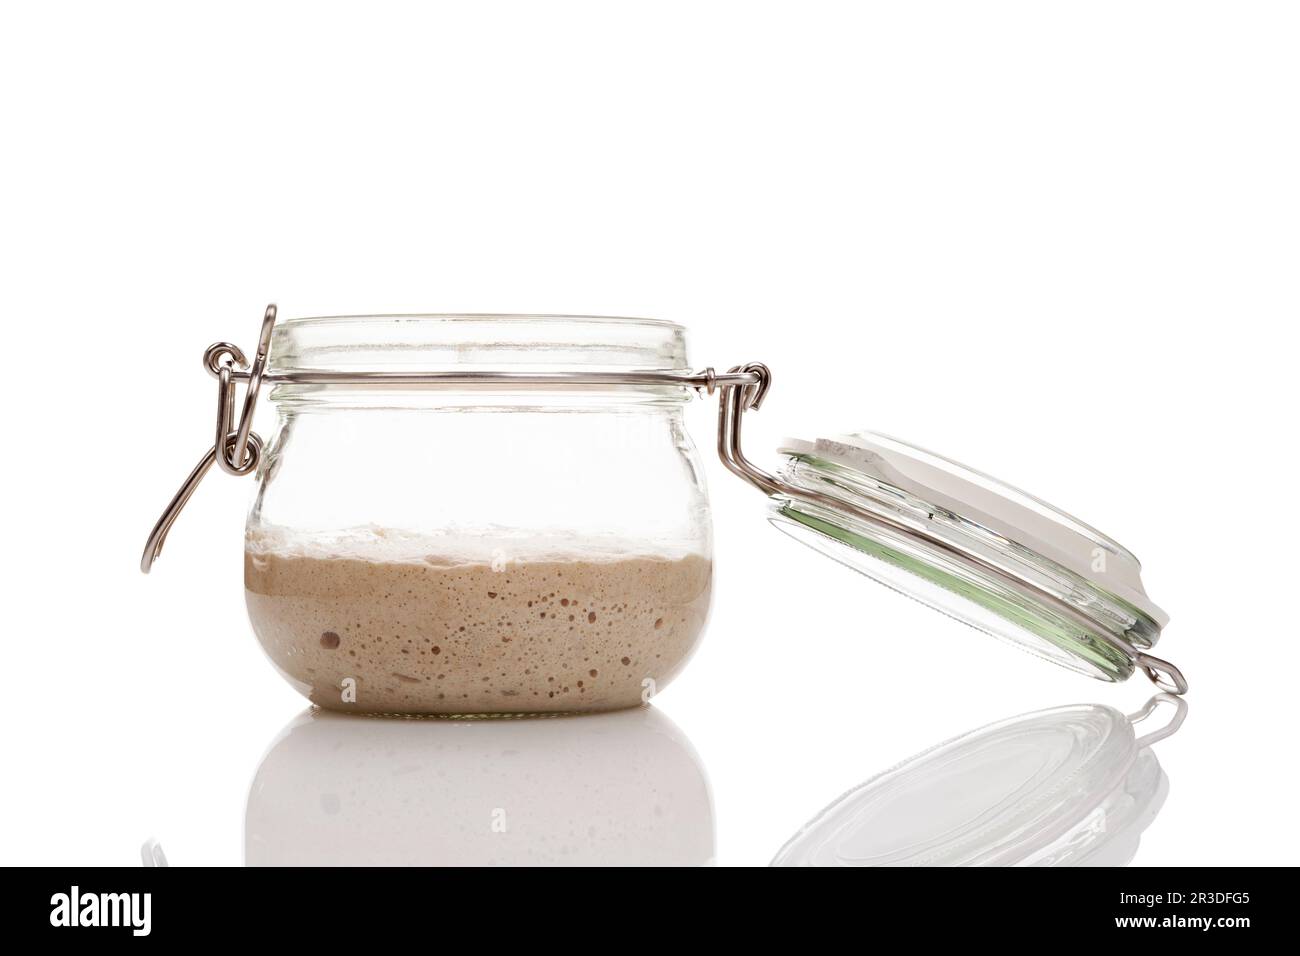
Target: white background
[1056,241]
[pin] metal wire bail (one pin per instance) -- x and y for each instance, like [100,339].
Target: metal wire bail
[237,449]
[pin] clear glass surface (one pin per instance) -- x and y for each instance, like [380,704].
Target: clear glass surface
[974,548]
[479,549]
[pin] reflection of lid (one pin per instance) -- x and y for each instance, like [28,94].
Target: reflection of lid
[978,549]
[1111,833]
[1063,787]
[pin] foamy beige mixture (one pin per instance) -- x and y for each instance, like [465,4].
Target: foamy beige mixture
[435,625]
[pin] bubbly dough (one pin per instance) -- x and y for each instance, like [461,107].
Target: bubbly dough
[473,625]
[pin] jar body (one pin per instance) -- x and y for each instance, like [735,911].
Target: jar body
[438,552]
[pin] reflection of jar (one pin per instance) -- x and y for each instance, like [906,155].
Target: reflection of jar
[539,549]
[623,789]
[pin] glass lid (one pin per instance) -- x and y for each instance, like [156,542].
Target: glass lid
[974,548]
[1069,786]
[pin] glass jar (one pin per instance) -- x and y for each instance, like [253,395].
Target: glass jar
[462,549]
[477,514]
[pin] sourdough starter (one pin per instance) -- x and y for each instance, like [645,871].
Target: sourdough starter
[383,622]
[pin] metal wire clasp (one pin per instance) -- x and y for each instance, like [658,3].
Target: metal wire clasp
[236,448]
[237,457]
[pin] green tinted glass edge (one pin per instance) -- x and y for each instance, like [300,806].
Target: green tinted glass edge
[1107,659]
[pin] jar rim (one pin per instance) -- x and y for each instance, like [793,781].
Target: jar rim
[477,341]
[479,316]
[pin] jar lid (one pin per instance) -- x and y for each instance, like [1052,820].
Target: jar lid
[971,546]
[1061,787]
